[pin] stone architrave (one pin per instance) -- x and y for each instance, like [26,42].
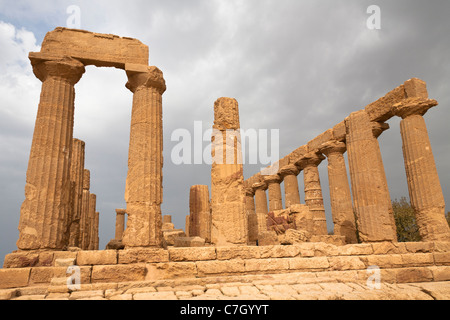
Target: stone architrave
[84,219]
[120,223]
[274,189]
[340,195]
[228,218]
[261,205]
[76,176]
[313,190]
[251,214]
[45,210]
[200,213]
[424,187]
[289,175]
[143,192]
[371,200]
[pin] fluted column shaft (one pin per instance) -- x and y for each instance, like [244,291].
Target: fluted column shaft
[340,196]
[424,187]
[291,192]
[274,187]
[143,192]
[313,190]
[261,206]
[76,176]
[44,213]
[200,213]
[96,231]
[371,200]
[251,215]
[84,219]
[120,223]
[229,225]
[91,221]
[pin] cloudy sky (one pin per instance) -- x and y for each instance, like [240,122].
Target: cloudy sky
[297,66]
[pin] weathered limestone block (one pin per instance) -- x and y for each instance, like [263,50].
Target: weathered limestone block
[222,267]
[331,239]
[178,270]
[313,190]
[189,242]
[241,252]
[14,278]
[145,255]
[106,257]
[171,235]
[289,175]
[167,223]
[101,50]
[371,198]
[143,191]
[119,273]
[228,217]
[200,213]
[120,223]
[340,196]
[424,187]
[187,225]
[192,254]
[320,139]
[293,236]
[268,238]
[303,218]
[381,110]
[45,212]
[76,176]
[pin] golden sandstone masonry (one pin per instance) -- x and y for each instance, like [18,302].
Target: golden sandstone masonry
[227,250]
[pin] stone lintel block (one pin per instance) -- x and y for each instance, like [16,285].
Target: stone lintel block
[262,265]
[46,274]
[442,258]
[280,251]
[346,263]
[192,254]
[171,270]
[411,275]
[241,252]
[416,88]
[103,257]
[339,131]
[381,110]
[136,68]
[309,264]
[143,255]
[119,273]
[356,249]
[315,143]
[389,247]
[220,267]
[14,278]
[297,154]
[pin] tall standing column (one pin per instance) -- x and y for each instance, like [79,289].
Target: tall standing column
[120,224]
[45,211]
[91,221]
[228,218]
[200,213]
[275,197]
[251,214]
[261,205]
[84,219]
[96,231]
[76,176]
[340,196]
[313,190]
[424,187]
[143,192]
[371,199]
[289,175]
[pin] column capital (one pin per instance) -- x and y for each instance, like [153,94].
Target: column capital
[249,192]
[121,211]
[334,146]
[65,68]
[272,179]
[260,186]
[378,128]
[289,170]
[311,159]
[413,106]
[152,78]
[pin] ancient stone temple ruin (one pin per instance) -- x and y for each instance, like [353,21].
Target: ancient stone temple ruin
[242,240]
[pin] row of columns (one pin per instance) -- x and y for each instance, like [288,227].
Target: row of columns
[52,215]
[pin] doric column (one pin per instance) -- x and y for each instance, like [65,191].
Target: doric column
[187,227]
[261,205]
[424,187]
[313,190]
[251,214]
[340,196]
[120,223]
[200,213]
[371,200]
[76,176]
[143,192]
[45,211]
[91,221]
[96,231]
[275,198]
[84,220]
[228,217]
[289,175]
